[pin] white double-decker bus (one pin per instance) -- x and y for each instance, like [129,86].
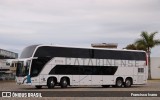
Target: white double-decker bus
[48,65]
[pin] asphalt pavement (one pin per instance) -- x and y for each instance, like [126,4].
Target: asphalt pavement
[85,92]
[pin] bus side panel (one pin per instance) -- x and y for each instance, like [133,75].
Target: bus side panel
[140,78]
[43,79]
[47,68]
[135,75]
[85,80]
[75,80]
[97,79]
[125,71]
[108,80]
[35,80]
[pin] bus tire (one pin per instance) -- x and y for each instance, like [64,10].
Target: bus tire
[64,83]
[119,82]
[128,82]
[51,83]
[38,86]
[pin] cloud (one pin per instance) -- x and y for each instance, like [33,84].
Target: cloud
[75,22]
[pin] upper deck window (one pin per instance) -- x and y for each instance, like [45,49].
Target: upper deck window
[46,51]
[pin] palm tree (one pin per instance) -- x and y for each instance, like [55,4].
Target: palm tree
[148,41]
[135,47]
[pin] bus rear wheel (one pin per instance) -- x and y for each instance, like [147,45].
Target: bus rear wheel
[50,83]
[64,83]
[38,86]
[128,83]
[119,82]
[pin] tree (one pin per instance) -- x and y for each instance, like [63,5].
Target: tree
[148,41]
[135,47]
[131,47]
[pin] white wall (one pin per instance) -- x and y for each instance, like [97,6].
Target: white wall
[155,67]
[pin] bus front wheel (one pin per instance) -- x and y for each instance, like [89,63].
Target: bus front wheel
[64,83]
[50,83]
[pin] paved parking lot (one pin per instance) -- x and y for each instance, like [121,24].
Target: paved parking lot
[152,85]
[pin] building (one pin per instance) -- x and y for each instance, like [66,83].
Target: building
[155,67]
[104,45]
[5,54]
[4,65]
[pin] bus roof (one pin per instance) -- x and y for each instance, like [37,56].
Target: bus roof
[90,48]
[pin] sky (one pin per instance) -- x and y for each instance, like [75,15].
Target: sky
[76,22]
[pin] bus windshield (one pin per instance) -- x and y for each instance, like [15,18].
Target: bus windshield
[21,69]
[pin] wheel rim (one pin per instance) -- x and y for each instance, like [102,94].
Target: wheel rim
[52,83]
[64,82]
[128,82]
[119,83]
